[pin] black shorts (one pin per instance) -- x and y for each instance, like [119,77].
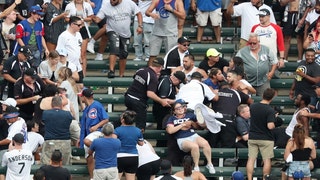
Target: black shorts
[128,164]
[290,25]
[84,33]
[80,77]
[118,45]
[102,23]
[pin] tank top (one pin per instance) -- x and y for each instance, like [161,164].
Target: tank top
[301,155]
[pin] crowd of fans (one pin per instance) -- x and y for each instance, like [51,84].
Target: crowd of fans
[44,60]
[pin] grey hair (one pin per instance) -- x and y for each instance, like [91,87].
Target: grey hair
[108,129]
[254,35]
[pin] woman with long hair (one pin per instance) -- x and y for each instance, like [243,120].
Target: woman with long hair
[187,173]
[182,125]
[215,76]
[54,23]
[301,149]
[49,68]
[66,81]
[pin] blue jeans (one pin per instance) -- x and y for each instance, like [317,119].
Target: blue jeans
[137,44]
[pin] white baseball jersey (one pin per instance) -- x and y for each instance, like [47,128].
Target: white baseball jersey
[18,164]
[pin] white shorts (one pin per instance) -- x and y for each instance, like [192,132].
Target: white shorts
[92,136]
[215,17]
[190,138]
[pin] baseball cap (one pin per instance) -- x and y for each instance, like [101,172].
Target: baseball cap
[165,166]
[237,175]
[62,52]
[11,112]
[181,101]
[9,102]
[26,51]
[196,75]
[183,39]
[264,12]
[36,9]
[30,72]
[181,76]
[86,92]
[316,85]
[212,52]
[158,62]
[18,138]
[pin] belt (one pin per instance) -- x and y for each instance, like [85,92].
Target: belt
[229,116]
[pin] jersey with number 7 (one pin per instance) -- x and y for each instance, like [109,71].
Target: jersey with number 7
[18,164]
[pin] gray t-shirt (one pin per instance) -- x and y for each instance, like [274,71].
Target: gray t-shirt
[119,16]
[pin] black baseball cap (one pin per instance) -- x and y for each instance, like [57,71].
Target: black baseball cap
[181,76]
[86,92]
[196,75]
[31,72]
[25,51]
[183,39]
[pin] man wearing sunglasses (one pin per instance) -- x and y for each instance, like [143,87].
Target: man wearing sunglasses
[259,62]
[71,41]
[174,57]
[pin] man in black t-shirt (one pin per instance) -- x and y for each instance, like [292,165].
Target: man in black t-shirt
[260,135]
[14,67]
[54,170]
[175,55]
[143,87]
[211,60]
[166,89]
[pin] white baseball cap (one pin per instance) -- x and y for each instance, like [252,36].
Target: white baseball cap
[9,102]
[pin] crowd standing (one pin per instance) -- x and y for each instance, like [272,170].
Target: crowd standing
[44,61]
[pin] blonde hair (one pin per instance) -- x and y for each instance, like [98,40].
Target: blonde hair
[65,74]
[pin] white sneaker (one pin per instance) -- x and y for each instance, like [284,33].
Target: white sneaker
[137,59]
[76,158]
[196,168]
[199,115]
[90,47]
[99,57]
[211,168]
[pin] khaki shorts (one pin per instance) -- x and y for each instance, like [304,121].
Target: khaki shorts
[215,17]
[50,145]
[74,130]
[264,146]
[107,173]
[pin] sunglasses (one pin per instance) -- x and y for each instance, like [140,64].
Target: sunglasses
[253,43]
[79,25]
[186,45]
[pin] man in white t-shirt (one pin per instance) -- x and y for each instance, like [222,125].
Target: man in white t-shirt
[195,91]
[248,12]
[17,160]
[16,125]
[71,40]
[34,140]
